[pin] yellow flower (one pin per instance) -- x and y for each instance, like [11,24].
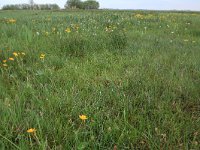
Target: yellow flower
[11,58]
[5,65]
[15,54]
[83,117]
[31,130]
[139,16]
[68,30]
[42,56]
[12,21]
[4,61]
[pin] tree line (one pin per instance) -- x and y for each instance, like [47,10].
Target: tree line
[78,4]
[28,7]
[70,4]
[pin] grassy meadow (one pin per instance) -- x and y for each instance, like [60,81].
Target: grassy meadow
[134,76]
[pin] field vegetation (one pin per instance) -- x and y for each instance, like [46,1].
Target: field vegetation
[99,80]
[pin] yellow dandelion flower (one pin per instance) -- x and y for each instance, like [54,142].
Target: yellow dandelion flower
[68,30]
[5,65]
[139,16]
[15,54]
[31,130]
[42,56]
[12,21]
[12,59]
[4,61]
[83,117]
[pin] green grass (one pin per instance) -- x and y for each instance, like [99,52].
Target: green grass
[134,74]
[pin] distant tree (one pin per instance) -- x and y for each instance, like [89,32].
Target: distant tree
[90,4]
[73,4]
[31,2]
[55,7]
[10,7]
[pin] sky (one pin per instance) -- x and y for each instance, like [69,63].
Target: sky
[126,4]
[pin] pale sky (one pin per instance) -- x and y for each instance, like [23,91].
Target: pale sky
[127,4]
